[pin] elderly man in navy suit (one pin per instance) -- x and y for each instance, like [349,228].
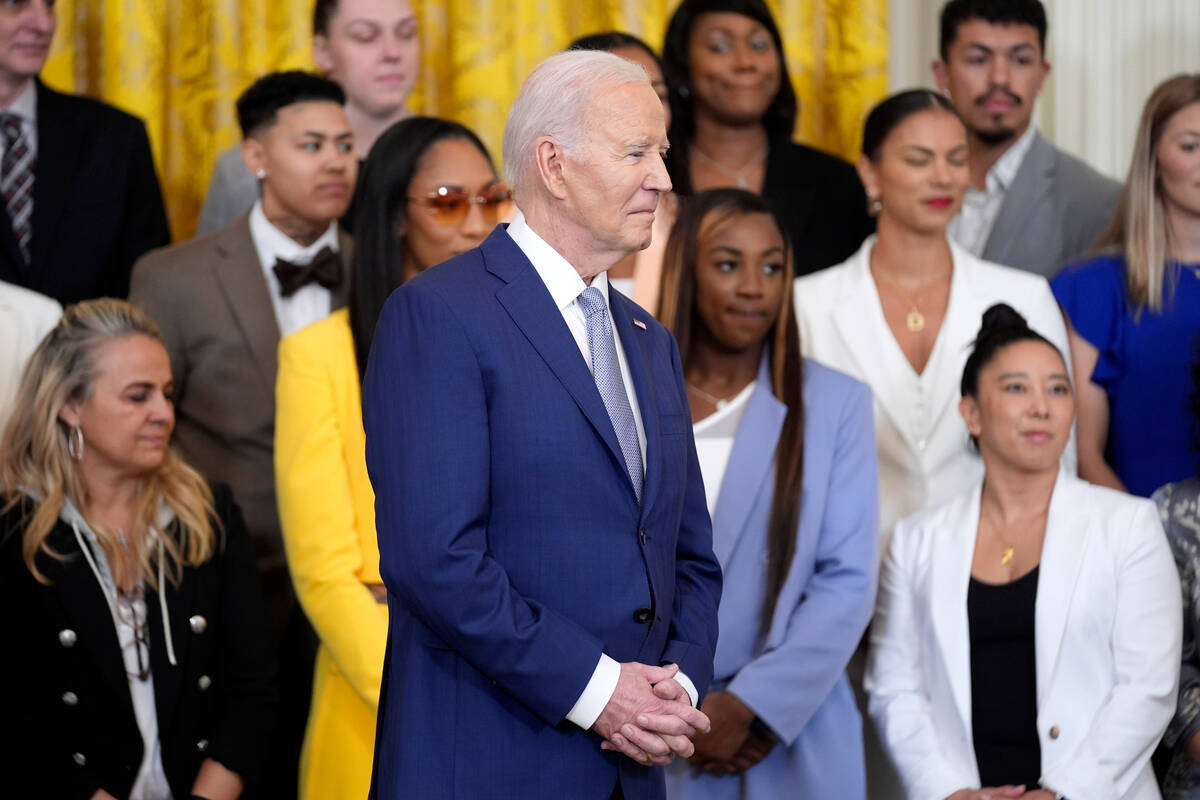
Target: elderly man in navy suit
[542,525]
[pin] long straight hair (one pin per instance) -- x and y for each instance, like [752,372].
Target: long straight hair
[703,214]
[379,203]
[35,461]
[1139,228]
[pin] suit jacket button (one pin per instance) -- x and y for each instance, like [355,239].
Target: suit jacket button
[204,683]
[202,745]
[642,537]
[70,699]
[1054,731]
[79,758]
[67,637]
[642,615]
[199,624]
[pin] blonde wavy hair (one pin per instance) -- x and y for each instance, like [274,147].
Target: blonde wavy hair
[36,465]
[1139,228]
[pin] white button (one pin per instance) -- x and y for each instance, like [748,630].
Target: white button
[199,624]
[921,444]
[204,682]
[70,699]
[67,637]
[201,745]
[79,758]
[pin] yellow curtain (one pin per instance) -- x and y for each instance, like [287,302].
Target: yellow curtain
[180,64]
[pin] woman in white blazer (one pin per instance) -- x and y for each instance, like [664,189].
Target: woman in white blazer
[901,312]
[1026,639]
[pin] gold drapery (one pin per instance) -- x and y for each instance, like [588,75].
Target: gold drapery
[180,64]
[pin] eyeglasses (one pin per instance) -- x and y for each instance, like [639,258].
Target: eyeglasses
[131,610]
[449,205]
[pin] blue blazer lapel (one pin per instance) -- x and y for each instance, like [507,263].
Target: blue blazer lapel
[750,461]
[527,300]
[636,341]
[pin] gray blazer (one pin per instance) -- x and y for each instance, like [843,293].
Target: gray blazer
[212,302]
[231,192]
[1055,210]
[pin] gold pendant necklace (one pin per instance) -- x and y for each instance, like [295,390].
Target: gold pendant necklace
[915,319]
[1006,559]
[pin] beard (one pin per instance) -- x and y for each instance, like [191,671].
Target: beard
[993,137]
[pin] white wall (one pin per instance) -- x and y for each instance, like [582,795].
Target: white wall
[1107,56]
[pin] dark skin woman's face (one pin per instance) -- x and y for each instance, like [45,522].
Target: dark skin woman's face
[739,280]
[734,67]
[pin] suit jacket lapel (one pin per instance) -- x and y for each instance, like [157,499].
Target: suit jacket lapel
[528,302]
[1033,181]
[1063,550]
[950,575]
[751,458]
[239,276]
[960,324]
[339,296]
[86,606]
[635,343]
[58,150]
[862,326]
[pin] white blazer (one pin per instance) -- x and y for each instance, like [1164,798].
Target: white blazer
[25,317]
[1108,625]
[925,457]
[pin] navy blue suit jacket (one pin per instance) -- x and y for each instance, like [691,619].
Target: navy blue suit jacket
[511,542]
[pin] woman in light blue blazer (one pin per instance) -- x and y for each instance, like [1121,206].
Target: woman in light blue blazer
[787,453]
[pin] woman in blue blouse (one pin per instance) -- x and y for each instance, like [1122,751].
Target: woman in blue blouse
[787,452]
[1135,309]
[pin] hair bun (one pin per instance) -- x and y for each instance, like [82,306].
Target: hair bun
[1001,317]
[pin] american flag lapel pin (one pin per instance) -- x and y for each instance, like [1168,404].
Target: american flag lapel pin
[640,324]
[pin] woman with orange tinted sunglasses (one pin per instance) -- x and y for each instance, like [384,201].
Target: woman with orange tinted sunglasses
[426,192]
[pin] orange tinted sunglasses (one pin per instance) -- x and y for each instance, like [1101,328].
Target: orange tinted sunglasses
[448,205]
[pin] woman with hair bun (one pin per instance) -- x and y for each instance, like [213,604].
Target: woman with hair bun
[1026,638]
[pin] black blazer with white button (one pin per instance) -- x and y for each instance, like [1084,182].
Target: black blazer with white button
[69,715]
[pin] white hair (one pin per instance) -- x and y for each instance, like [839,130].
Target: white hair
[553,102]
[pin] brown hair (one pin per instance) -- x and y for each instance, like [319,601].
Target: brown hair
[701,215]
[1139,228]
[35,460]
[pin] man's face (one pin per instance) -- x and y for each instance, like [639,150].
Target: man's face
[613,180]
[993,74]
[372,51]
[26,29]
[308,160]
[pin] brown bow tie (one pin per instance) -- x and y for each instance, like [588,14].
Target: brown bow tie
[325,269]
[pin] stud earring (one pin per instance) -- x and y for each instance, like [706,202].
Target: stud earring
[874,205]
[260,173]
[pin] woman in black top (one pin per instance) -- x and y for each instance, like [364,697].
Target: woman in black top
[733,111]
[135,657]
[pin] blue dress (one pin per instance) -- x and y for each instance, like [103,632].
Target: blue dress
[1144,366]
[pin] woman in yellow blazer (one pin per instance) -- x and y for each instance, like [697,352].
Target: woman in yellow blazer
[426,192]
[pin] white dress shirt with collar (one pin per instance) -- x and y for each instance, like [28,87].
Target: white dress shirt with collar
[25,107]
[565,286]
[973,225]
[311,302]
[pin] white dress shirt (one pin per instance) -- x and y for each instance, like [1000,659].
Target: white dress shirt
[311,302]
[25,107]
[25,317]
[565,286]
[714,436]
[973,225]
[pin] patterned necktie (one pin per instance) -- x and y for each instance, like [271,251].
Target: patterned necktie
[607,373]
[16,180]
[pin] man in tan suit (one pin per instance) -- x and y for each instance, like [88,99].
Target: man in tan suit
[225,299]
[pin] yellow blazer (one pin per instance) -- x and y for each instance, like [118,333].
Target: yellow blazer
[327,511]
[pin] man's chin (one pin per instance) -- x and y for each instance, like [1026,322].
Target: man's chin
[995,136]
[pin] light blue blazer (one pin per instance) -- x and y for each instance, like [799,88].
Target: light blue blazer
[794,679]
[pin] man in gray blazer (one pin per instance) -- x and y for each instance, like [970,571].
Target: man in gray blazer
[370,49]
[1030,205]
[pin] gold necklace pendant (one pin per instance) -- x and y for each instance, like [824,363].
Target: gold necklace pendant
[915,320]
[1007,558]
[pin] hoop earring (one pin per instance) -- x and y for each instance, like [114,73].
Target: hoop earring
[75,442]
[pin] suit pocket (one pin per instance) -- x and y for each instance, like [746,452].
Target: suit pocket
[674,424]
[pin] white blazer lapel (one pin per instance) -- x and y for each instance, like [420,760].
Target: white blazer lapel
[950,556]
[1063,550]
[961,324]
[860,323]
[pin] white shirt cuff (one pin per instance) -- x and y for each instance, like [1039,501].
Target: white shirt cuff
[689,687]
[597,693]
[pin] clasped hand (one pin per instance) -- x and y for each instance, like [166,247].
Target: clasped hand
[650,717]
[1001,793]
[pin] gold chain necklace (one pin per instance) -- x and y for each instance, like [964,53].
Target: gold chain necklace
[737,174]
[914,320]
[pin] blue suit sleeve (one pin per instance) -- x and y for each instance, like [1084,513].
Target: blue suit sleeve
[428,454]
[692,641]
[787,684]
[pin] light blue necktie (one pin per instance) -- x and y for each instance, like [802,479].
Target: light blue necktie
[607,373]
